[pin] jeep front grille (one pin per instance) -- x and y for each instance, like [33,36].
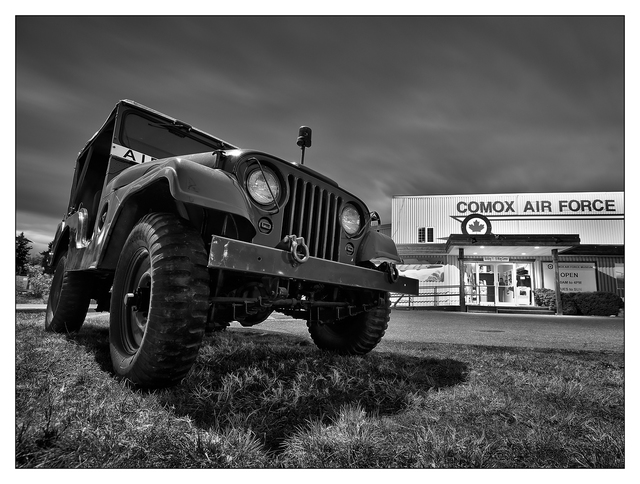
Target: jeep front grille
[312,213]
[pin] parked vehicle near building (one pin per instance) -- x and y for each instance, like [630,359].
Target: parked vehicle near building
[174,231]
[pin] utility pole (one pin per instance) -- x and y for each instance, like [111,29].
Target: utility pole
[556,269]
[461,268]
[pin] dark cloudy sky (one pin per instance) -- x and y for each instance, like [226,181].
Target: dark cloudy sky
[398,105]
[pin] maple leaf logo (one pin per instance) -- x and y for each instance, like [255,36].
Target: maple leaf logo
[476,226]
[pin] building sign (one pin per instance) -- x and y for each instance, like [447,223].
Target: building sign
[524,206]
[574,276]
[597,217]
[495,259]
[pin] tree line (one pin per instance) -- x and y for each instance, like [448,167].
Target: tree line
[24,257]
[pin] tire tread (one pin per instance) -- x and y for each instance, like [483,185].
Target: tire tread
[73,302]
[356,335]
[178,312]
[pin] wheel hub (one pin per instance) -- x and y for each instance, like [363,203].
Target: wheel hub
[136,304]
[138,300]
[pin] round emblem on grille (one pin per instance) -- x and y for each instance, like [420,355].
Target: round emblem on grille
[265,226]
[349,249]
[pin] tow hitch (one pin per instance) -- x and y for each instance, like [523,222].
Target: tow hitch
[391,270]
[297,248]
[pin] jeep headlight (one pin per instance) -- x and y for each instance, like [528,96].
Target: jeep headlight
[263,186]
[350,219]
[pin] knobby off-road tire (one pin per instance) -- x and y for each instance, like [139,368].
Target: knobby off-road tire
[355,335]
[69,299]
[159,302]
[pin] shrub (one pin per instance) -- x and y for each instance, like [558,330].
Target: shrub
[39,282]
[598,303]
[580,303]
[545,297]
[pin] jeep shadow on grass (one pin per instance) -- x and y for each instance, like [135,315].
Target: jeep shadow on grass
[273,384]
[277,384]
[176,232]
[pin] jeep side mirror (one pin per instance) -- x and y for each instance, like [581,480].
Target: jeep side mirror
[304,137]
[304,140]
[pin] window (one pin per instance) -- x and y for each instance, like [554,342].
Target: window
[425,235]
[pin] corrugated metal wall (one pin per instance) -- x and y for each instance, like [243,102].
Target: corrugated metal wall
[591,231]
[598,217]
[410,213]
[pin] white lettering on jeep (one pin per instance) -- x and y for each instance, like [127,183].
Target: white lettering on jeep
[129,154]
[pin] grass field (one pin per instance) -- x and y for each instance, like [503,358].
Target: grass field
[259,399]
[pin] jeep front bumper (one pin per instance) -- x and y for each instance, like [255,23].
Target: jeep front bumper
[234,255]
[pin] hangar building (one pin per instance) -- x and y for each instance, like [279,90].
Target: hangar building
[490,251]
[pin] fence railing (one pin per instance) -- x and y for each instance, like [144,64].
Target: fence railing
[429,296]
[441,295]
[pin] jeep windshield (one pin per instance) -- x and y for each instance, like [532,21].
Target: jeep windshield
[162,140]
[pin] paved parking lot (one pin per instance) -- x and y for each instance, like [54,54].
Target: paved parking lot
[589,333]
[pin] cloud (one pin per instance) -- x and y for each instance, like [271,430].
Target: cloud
[398,105]
[38,229]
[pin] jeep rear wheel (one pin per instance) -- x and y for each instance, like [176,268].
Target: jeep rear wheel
[354,335]
[68,301]
[159,302]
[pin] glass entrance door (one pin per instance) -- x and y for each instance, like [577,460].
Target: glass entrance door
[498,283]
[486,284]
[506,284]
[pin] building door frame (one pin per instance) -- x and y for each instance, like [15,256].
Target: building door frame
[496,284]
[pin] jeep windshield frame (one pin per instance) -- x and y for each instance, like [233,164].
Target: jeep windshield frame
[163,139]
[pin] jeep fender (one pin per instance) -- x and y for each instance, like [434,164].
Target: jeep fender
[208,187]
[187,182]
[377,246]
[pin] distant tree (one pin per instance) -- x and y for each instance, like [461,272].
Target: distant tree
[44,255]
[23,246]
[35,259]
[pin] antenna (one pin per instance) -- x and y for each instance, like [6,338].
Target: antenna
[304,140]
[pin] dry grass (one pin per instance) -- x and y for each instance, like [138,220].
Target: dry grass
[259,399]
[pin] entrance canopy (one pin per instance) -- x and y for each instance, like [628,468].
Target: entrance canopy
[511,245]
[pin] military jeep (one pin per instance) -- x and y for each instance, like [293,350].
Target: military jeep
[176,232]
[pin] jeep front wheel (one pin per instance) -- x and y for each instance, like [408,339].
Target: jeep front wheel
[68,300]
[159,302]
[354,335]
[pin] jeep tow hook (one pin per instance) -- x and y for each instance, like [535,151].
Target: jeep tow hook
[393,273]
[391,270]
[298,249]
